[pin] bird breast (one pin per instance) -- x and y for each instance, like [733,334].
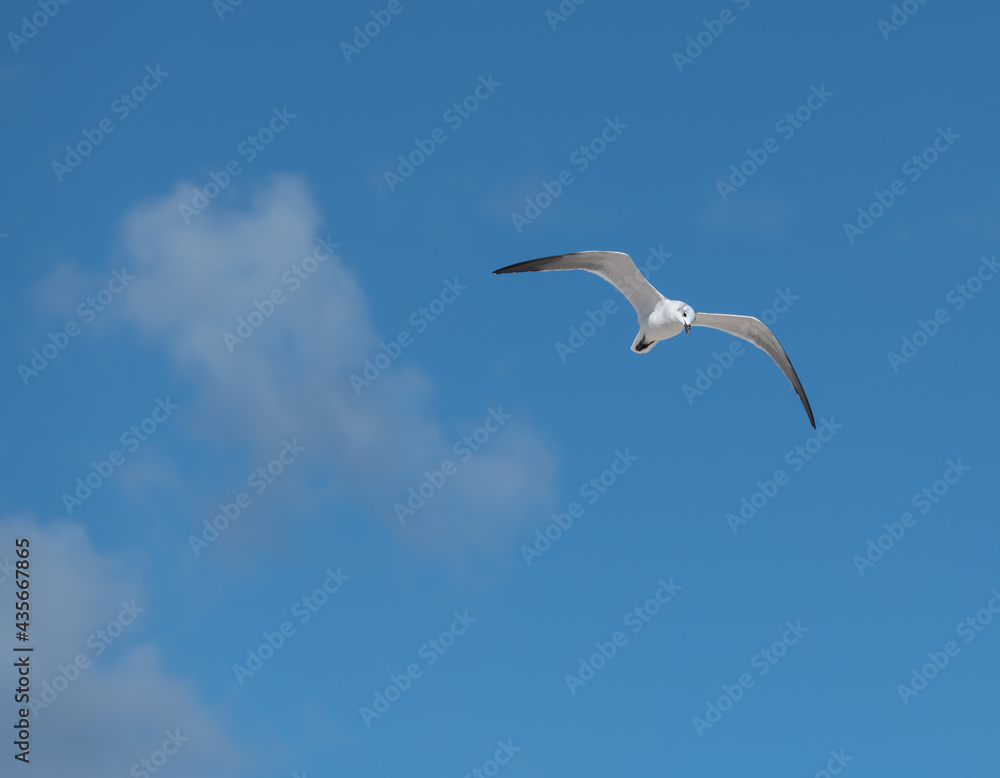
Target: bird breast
[663,323]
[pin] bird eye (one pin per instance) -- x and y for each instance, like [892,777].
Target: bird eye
[684,314]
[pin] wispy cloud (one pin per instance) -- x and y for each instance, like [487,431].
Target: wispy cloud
[98,687]
[293,376]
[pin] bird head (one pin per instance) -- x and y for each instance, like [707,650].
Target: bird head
[686,316]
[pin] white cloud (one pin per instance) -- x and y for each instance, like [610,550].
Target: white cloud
[291,377]
[115,710]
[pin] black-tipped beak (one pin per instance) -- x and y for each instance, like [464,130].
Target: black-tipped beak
[687,328]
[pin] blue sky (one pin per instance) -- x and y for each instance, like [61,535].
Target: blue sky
[247,283]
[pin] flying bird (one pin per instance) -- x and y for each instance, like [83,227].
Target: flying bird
[659,317]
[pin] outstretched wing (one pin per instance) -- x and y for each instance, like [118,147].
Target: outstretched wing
[614,267]
[755,331]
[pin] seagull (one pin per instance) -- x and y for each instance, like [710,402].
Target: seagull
[659,317]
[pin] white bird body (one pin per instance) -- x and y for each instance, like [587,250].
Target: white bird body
[662,323]
[661,318]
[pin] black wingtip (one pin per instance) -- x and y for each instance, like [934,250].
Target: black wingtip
[809,409]
[521,267]
[542,263]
